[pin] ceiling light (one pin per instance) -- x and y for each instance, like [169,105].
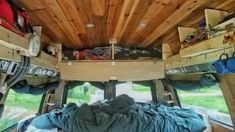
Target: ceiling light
[90,25]
[142,24]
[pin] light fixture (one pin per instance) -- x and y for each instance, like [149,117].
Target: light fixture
[90,25]
[142,24]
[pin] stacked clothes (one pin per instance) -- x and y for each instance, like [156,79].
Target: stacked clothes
[121,114]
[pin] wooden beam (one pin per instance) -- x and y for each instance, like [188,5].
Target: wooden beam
[45,60]
[184,11]
[177,61]
[106,70]
[227,87]
[206,46]
[13,40]
[160,90]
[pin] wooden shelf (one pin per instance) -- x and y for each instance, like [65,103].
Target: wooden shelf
[177,61]
[107,70]
[12,46]
[206,46]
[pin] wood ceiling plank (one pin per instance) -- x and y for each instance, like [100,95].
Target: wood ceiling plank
[134,19]
[29,5]
[159,17]
[98,7]
[85,10]
[115,2]
[113,17]
[128,5]
[63,22]
[69,9]
[111,13]
[49,23]
[154,9]
[173,20]
[101,25]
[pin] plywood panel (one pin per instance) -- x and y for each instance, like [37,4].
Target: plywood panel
[106,70]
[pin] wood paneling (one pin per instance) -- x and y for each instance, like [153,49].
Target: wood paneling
[65,20]
[86,71]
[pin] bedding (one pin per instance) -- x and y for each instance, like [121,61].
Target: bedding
[121,114]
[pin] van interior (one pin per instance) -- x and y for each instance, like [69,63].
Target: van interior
[117,65]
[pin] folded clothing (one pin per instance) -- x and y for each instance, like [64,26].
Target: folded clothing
[122,114]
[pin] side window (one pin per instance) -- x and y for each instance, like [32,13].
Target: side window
[138,92]
[209,101]
[18,106]
[85,93]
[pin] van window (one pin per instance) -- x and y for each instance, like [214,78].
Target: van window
[18,106]
[85,93]
[209,101]
[138,92]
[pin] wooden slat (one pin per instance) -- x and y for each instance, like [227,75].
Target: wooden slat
[100,25]
[159,17]
[122,71]
[64,23]
[50,24]
[134,19]
[125,12]
[35,5]
[98,7]
[113,17]
[173,20]
[85,11]
[154,9]
[69,9]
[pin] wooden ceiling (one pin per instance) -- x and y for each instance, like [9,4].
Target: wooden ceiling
[138,23]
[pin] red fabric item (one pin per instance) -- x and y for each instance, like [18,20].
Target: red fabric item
[6,12]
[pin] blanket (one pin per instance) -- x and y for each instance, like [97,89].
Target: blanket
[121,114]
